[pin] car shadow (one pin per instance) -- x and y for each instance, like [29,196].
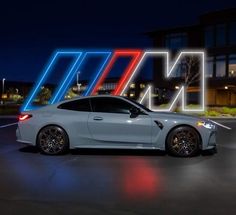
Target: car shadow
[209,152]
[29,149]
[116,152]
[88,151]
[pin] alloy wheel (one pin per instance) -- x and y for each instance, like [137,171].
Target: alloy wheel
[52,140]
[183,141]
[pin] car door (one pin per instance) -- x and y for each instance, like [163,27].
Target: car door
[110,121]
[75,115]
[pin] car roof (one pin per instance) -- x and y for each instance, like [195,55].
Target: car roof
[95,96]
[52,106]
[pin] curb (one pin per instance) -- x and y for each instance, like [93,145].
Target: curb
[224,118]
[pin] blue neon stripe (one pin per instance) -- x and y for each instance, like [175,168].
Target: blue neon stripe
[66,81]
[26,106]
[41,79]
[98,74]
[60,92]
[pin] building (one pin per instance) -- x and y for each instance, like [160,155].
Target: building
[216,33]
[134,91]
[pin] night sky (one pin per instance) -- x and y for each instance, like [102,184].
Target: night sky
[30,32]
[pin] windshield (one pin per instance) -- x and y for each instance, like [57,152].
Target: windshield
[138,104]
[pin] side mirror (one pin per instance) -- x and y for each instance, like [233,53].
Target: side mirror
[134,112]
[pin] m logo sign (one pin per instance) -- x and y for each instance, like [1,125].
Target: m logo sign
[191,64]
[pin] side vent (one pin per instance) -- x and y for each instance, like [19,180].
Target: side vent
[159,124]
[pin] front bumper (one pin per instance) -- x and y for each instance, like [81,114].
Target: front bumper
[212,140]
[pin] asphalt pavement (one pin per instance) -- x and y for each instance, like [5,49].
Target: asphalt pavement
[111,182]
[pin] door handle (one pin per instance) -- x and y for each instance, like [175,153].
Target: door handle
[98,118]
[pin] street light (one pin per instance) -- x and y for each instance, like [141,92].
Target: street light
[78,84]
[3,80]
[176,87]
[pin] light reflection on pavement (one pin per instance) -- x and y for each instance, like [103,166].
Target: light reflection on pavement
[116,181]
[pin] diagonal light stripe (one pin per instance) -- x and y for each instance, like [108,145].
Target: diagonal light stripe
[8,125]
[118,53]
[99,72]
[48,69]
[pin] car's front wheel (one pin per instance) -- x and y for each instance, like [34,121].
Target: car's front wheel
[183,141]
[53,140]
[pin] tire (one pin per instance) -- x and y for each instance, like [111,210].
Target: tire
[53,140]
[183,141]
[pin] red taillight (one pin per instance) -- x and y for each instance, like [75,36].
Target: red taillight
[24,117]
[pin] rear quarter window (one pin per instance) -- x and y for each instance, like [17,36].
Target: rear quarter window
[76,105]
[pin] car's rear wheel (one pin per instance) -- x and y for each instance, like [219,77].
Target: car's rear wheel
[183,141]
[53,140]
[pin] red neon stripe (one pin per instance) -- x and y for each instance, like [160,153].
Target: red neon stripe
[128,72]
[135,54]
[104,74]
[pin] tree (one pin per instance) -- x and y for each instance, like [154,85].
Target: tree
[11,91]
[70,94]
[44,95]
[190,69]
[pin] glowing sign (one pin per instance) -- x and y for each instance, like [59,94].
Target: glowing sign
[168,70]
[75,65]
[138,59]
[47,71]
[135,54]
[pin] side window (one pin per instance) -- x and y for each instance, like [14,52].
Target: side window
[77,105]
[110,105]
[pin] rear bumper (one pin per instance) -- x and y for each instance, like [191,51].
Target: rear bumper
[20,139]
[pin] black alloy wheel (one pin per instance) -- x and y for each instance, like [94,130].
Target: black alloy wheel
[53,140]
[183,141]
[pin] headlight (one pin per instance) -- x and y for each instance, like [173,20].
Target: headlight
[205,124]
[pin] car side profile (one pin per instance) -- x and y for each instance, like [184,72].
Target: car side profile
[113,122]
